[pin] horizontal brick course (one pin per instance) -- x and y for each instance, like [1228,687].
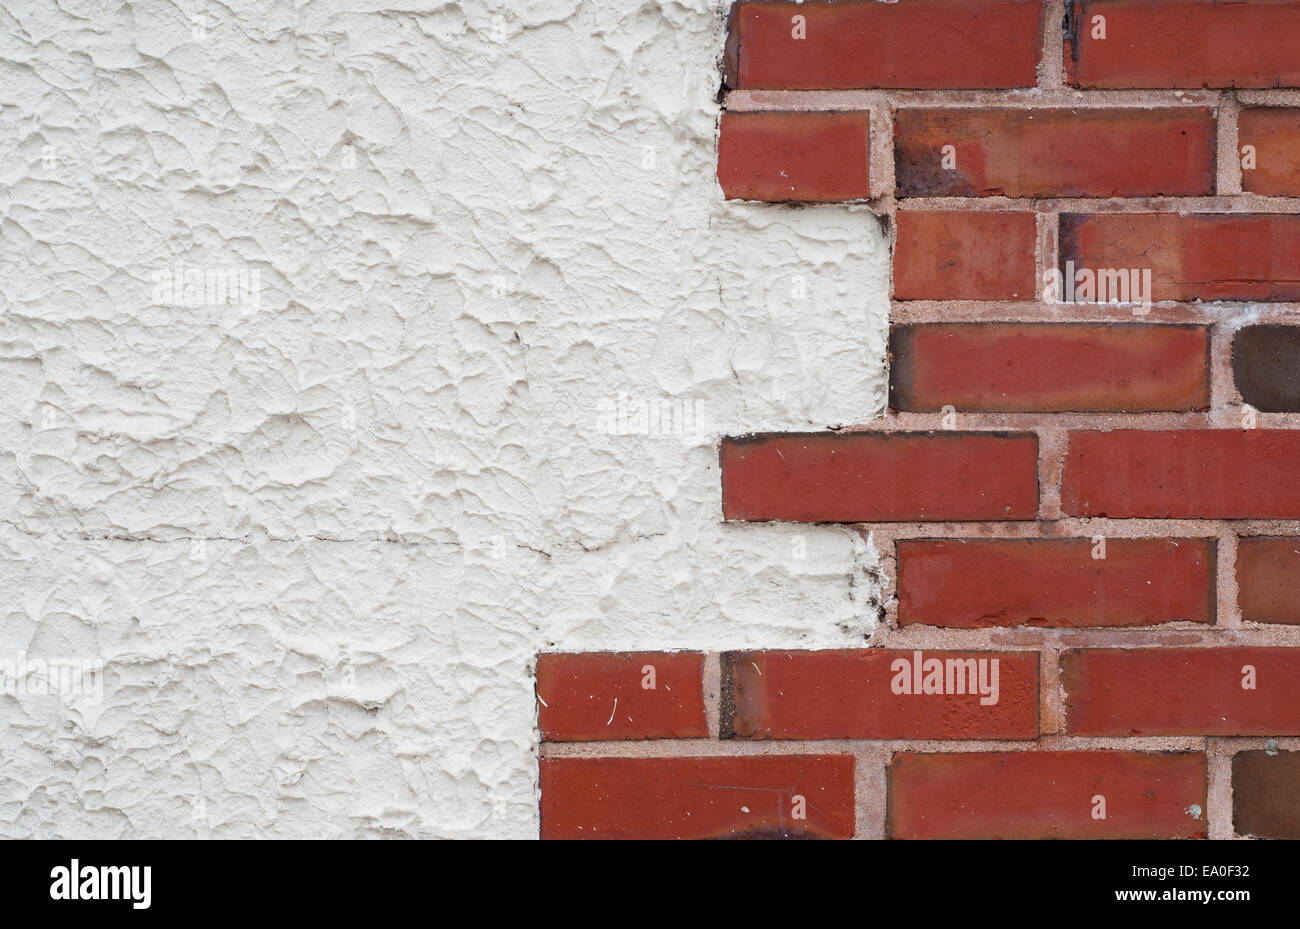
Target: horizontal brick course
[1054,152]
[1181,691]
[859,694]
[973,583]
[1186,43]
[865,477]
[621,695]
[918,44]
[698,798]
[1192,256]
[1049,367]
[1183,474]
[794,156]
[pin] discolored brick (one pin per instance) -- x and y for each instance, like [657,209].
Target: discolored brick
[1042,152]
[1266,794]
[1266,367]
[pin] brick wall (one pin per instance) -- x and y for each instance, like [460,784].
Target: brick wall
[1087,486]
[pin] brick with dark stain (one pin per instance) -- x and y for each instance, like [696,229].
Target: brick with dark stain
[1042,152]
[1266,367]
[1266,794]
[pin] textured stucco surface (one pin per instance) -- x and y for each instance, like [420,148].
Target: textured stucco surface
[318,544]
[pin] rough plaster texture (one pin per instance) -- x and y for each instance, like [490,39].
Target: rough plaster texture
[318,544]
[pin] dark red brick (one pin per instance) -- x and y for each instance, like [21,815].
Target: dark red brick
[964,255]
[880,477]
[1043,367]
[794,156]
[854,694]
[1274,133]
[1186,43]
[745,796]
[1181,691]
[1047,795]
[1026,152]
[1268,579]
[919,44]
[1266,794]
[973,583]
[604,695]
[1183,474]
[1192,256]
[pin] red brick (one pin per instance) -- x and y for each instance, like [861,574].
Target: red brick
[1192,256]
[973,583]
[1268,579]
[746,796]
[880,477]
[1055,152]
[850,694]
[1187,43]
[1046,795]
[921,44]
[1274,132]
[1183,474]
[1181,691]
[1266,794]
[964,255]
[601,695]
[794,156]
[1049,366]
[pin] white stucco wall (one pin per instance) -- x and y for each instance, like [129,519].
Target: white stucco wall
[318,543]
